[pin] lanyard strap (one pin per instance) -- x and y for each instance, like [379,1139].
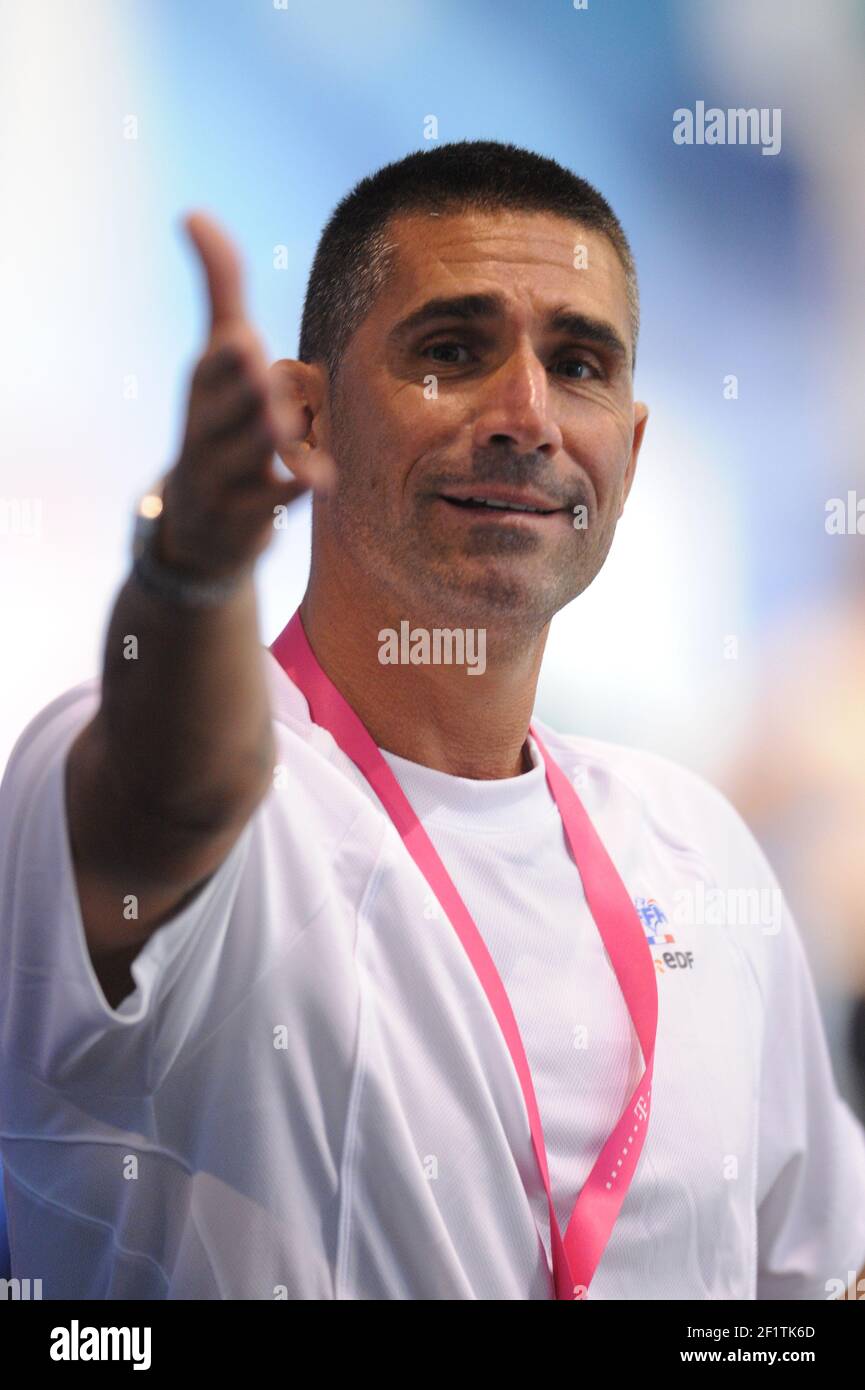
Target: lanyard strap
[597,1206]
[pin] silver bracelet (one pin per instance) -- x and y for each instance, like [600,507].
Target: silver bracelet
[174,587]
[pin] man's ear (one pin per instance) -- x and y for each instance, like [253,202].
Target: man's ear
[641,416]
[298,392]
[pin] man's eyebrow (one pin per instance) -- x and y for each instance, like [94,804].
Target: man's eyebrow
[486,306]
[463,306]
[591,329]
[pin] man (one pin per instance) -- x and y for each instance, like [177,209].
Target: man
[247,1053]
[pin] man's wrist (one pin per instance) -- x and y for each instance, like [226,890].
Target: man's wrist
[160,577]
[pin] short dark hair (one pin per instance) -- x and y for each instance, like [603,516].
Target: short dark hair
[354,257]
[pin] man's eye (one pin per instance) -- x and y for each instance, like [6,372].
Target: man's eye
[580,362]
[451,348]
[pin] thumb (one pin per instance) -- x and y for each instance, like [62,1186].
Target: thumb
[223,271]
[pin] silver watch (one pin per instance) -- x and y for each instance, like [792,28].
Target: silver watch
[160,579]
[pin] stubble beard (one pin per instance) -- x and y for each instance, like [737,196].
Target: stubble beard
[482,583]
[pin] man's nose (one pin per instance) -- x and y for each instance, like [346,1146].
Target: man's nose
[515,406]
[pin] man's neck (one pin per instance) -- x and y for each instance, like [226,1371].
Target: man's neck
[439,715]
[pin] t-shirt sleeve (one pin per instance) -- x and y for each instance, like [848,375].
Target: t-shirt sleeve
[55,1022]
[811,1160]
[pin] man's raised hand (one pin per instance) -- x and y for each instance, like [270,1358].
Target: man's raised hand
[219,498]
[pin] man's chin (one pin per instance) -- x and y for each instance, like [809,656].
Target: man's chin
[491,595]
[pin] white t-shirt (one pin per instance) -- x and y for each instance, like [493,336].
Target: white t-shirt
[307,1094]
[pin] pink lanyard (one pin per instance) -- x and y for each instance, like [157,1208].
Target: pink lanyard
[576,1257]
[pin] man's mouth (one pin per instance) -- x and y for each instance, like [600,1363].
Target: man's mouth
[504,502]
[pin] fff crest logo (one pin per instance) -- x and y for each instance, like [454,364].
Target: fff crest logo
[655,922]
